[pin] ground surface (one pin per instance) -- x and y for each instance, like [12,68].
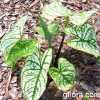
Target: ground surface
[88,70]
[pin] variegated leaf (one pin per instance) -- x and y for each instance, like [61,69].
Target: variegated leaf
[14,35]
[64,75]
[54,10]
[22,48]
[34,74]
[84,39]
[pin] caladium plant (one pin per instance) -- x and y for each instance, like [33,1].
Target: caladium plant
[22,48]
[64,75]
[84,39]
[13,47]
[84,36]
[34,73]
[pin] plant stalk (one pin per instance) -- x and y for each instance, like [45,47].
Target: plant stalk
[59,50]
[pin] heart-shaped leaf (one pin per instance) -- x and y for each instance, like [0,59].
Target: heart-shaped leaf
[79,18]
[55,9]
[14,35]
[64,75]
[22,48]
[84,39]
[34,74]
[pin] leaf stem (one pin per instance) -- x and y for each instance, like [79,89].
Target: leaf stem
[59,50]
